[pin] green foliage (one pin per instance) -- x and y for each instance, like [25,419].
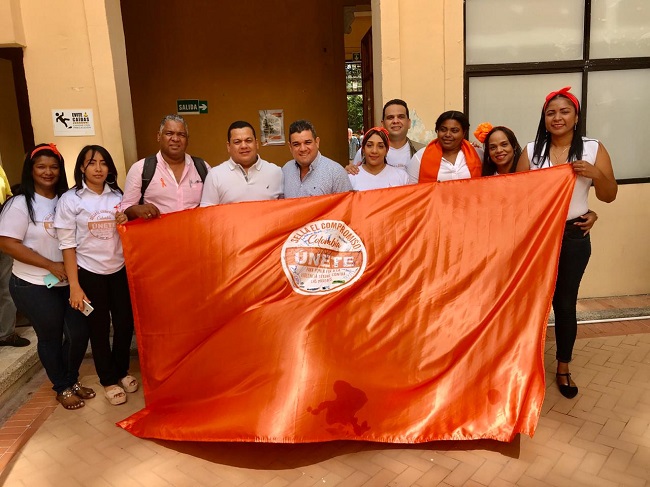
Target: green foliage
[355,112]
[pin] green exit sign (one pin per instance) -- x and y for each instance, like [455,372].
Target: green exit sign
[191,107]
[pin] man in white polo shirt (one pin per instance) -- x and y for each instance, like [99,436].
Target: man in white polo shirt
[245,176]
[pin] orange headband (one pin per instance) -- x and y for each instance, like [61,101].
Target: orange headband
[379,129]
[482,130]
[564,92]
[49,146]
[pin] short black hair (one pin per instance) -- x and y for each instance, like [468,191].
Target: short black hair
[300,126]
[395,101]
[240,124]
[460,117]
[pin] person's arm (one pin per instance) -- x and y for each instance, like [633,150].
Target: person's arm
[353,168]
[5,187]
[65,224]
[77,295]
[210,195]
[523,164]
[132,192]
[601,173]
[121,218]
[341,181]
[146,211]
[413,168]
[589,219]
[15,248]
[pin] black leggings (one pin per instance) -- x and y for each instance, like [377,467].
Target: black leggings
[109,295]
[574,256]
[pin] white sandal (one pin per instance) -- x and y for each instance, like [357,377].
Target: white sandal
[115,395]
[129,383]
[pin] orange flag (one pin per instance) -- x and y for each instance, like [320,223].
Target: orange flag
[400,315]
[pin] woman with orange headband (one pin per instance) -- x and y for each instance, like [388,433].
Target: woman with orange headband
[374,172]
[449,156]
[559,141]
[38,282]
[501,149]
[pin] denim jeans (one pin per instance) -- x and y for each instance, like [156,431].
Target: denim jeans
[574,256]
[61,331]
[109,295]
[7,307]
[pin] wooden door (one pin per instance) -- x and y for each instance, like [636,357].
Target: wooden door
[366,77]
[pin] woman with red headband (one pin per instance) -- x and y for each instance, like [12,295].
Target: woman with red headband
[449,156]
[38,282]
[559,141]
[374,172]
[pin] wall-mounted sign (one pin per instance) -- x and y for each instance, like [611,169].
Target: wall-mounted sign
[272,127]
[356,56]
[191,107]
[73,122]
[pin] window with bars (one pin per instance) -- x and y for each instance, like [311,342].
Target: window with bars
[353,80]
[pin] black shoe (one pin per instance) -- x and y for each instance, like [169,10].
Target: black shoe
[14,340]
[567,390]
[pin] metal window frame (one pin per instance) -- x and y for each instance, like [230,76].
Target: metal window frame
[584,66]
[357,92]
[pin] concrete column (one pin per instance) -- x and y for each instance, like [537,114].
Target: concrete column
[419,57]
[75,58]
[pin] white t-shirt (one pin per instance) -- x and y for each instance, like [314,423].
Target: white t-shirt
[92,217]
[40,237]
[229,183]
[447,171]
[388,177]
[579,199]
[395,157]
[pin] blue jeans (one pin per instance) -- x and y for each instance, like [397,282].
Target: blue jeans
[574,256]
[61,331]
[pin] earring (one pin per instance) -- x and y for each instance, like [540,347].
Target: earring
[113,181]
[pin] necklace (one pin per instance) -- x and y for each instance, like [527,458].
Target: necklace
[558,158]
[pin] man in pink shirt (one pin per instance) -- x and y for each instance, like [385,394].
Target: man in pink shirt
[176,184]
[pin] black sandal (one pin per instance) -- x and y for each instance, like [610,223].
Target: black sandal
[567,390]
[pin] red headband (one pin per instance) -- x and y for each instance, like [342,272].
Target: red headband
[564,92]
[379,129]
[49,146]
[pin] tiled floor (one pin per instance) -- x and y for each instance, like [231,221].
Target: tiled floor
[600,438]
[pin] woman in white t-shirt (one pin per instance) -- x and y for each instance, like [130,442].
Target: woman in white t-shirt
[374,172]
[38,282]
[85,222]
[559,141]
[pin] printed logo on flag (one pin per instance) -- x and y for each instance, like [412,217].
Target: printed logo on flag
[323,257]
[101,224]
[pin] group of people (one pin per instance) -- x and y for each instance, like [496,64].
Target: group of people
[450,156]
[71,235]
[68,276]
